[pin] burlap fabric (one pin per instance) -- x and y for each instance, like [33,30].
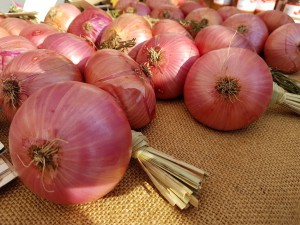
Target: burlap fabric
[254,177]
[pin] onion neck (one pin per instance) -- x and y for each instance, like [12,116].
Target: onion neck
[166,14]
[155,56]
[115,42]
[228,87]
[11,92]
[242,29]
[87,27]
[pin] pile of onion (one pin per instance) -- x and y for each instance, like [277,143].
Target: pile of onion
[127,81]
[169,58]
[228,89]
[29,72]
[70,143]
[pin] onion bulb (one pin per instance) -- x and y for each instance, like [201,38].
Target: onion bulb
[167,12]
[139,8]
[281,49]
[70,143]
[29,72]
[90,24]
[251,26]
[189,6]
[61,16]
[169,57]
[126,33]
[164,26]
[123,78]
[77,49]
[205,16]
[228,89]
[14,25]
[218,36]
[36,33]
[227,11]
[3,32]
[154,3]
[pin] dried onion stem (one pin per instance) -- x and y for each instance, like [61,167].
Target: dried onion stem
[176,180]
[281,96]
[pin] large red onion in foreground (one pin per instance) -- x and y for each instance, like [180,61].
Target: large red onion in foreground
[228,89]
[169,57]
[70,143]
[281,49]
[31,71]
[251,26]
[12,46]
[217,36]
[77,49]
[123,78]
[127,28]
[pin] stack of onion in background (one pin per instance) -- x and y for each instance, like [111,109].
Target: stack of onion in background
[80,81]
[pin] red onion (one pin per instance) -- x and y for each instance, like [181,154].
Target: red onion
[70,143]
[123,78]
[139,8]
[90,24]
[206,16]
[227,11]
[14,25]
[275,18]
[218,36]
[189,6]
[128,29]
[251,26]
[121,4]
[170,57]
[31,71]
[228,89]
[61,16]
[71,46]
[11,46]
[167,12]
[3,32]
[36,33]
[154,3]
[164,26]
[281,49]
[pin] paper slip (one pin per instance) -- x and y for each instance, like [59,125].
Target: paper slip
[7,172]
[41,7]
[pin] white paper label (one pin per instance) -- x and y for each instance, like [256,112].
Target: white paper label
[264,5]
[6,172]
[246,5]
[222,2]
[42,7]
[293,11]
[2,148]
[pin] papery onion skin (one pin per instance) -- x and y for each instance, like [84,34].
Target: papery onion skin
[281,49]
[251,26]
[205,14]
[164,26]
[36,33]
[237,104]
[89,130]
[139,8]
[122,77]
[170,57]
[31,71]
[14,25]
[189,6]
[217,36]
[11,46]
[274,19]
[77,49]
[129,26]
[61,16]
[90,24]
[167,12]
[4,32]
[227,11]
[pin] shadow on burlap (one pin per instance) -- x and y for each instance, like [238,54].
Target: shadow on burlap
[254,177]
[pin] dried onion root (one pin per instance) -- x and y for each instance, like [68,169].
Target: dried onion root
[282,97]
[176,180]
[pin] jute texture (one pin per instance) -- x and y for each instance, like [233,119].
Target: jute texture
[254,177]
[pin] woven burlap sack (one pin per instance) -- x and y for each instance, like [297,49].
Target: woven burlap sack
[254,177]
